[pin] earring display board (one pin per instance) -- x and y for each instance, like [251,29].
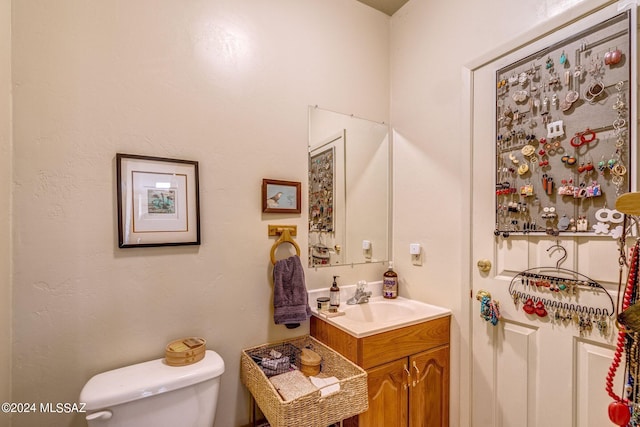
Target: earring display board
[563,133]
[321,205]
[321,181]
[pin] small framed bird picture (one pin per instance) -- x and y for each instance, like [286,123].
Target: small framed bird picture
[280,196]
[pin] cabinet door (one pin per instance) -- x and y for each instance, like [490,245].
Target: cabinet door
[429,394]
[388,395]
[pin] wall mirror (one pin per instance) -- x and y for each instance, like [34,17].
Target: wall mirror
[349,219]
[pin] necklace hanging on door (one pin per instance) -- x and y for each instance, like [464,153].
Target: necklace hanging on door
[625,410]
[489,308]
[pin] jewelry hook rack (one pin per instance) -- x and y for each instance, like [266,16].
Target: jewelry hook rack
[538,278]
[564,252]
[561,282]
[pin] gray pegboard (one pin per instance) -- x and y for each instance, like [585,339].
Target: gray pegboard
[563,132]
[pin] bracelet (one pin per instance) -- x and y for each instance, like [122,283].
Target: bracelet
[590,133]
[575,141]
[581,138]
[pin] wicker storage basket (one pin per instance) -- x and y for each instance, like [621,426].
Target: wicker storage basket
[310,410]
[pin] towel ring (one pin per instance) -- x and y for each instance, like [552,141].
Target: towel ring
[285,237]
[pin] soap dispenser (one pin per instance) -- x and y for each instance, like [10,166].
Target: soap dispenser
[334,295]
[390,283]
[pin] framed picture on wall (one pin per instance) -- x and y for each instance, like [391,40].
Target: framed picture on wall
[281,196]
[158,202]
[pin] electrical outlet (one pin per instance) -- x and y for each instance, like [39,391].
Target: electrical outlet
[415,250]
[366,249]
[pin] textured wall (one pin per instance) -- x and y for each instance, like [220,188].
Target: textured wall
[5,196]
[223,82]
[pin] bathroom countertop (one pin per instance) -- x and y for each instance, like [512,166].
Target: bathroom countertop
[379,314]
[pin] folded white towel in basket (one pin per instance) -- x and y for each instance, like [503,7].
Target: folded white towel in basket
[292,385]
[327,385]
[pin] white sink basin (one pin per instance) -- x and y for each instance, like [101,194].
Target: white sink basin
[380,309]
[381,315]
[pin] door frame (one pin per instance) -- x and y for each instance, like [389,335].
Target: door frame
[469,309]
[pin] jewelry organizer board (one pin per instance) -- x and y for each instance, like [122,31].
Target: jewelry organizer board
[563,133]
[321,183]
[326,200]
[321,204]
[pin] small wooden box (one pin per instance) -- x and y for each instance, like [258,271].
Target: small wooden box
[310,362]
[185,351]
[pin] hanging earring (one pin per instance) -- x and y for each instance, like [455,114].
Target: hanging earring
[602,165]
[563,58]
[602,324]
[540,310]
[549,63]
[589,166]
[528,306]
[575,315]
[577,71]
[615,57]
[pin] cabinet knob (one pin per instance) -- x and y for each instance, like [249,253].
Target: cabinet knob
[417,380]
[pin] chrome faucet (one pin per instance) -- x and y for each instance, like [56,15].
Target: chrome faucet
[360,297]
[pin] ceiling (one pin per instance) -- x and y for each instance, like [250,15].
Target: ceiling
[386,6]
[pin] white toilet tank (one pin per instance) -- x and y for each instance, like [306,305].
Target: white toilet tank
[155,394]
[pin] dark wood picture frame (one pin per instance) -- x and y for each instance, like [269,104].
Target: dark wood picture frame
[158,201]
[281,196]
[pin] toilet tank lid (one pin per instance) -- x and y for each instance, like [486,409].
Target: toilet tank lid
[147,379]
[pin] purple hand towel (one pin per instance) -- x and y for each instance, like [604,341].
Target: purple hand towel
[290,298]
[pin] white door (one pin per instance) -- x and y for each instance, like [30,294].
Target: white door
[529,370]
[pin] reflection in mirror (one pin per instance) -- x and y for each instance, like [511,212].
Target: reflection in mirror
[348,189]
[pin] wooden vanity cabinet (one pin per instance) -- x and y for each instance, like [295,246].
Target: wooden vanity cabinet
[388,397]
[429,396]
[407,372]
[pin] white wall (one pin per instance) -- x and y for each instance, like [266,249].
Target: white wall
[5,211]
[431,42]
[223,82]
